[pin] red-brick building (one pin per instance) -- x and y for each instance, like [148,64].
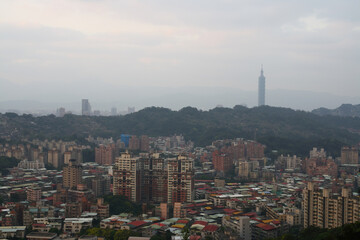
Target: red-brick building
[222,162]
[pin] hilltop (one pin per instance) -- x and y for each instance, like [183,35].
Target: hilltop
[345,110]
[282,129]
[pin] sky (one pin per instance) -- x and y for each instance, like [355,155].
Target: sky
[111,50]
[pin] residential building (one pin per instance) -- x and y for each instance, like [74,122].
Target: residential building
[154,178]
[105,155]
[144,143]
[33,194]
[222,162]
[12,232]
[72,174]
[323,209]
[126,174]
[349,155]
[101,185]
[134,143]
[74,225]
[180,179]
[241,225]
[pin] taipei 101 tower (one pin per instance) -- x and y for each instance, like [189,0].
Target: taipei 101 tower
[261,97]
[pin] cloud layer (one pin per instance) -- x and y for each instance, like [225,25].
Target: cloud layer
[90,46]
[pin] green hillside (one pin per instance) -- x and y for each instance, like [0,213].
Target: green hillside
[282,129]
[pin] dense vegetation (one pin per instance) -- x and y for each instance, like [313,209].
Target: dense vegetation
[7,162]
[120,204]
[345,110]
[282,129]
[345,232]
[110,234]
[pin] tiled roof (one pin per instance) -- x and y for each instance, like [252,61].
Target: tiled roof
[210,228]
[265,227]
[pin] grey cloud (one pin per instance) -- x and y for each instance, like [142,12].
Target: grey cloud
[218,44]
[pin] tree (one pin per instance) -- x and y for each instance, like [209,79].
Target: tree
[186,233]
[55,230]
[120,204]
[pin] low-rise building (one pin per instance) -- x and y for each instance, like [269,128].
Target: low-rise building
[74,225]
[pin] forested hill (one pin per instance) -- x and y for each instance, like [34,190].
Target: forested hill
[282,129]
[345,110]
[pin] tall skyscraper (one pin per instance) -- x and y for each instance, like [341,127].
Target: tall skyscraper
[86,108]
[261,93]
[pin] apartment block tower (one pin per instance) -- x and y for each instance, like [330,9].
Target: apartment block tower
[349,155]
[151,178]
[72,174]
[127,177]
[222,162]
[180,179]
[85,107]
[54,159]
[261,90]
[325,210]
[105,155]
[154,179]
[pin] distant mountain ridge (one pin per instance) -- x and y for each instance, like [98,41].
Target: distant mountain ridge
[345,110]
[282,129]
[204,98]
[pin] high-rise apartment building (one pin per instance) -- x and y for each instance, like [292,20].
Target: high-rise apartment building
[101,185]
[144,143]
[325,210]
[67,157]
[288,162]
[35,154]
[127,177]
[105,155]
[321,166]
[349,155]
[154,179]
[254,150]
[72,174]
[151,178]
[134,143]
[85,107]
[240,225]
[164,211]
[261,92]
[33,194]
[222,162]
[244,169]
[54,158]
[315,153]
[180,179]
[178,210]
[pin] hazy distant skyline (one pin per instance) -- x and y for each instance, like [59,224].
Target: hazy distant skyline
[63,51]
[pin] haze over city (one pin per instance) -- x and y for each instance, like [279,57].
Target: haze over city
[136,53]
[179,120]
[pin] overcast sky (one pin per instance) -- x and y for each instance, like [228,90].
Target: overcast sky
[68,50]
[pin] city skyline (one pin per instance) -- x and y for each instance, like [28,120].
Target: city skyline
[155,120]
[133,45]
